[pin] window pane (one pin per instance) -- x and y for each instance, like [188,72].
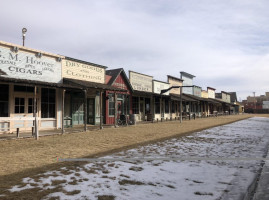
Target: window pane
[3,109]
[17,109]
[30,109]
[51,110]
[17,101]
[21,109]
[21,101]
[30,101]
[44,110]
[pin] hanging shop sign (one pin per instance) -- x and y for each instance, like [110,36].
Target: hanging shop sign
[30,66]
[82,71]
[140,82]
[211,92]
[174,82]
[197,91]
[158,86]
[187,81]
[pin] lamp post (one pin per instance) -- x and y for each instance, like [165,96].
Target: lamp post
[24,30]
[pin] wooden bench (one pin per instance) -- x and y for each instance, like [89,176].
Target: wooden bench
[9,119]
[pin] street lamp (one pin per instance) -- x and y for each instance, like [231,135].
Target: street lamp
[24,30]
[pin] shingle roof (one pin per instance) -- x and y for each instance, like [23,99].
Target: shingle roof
[114,73]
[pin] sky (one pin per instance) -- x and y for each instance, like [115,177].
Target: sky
[225,44]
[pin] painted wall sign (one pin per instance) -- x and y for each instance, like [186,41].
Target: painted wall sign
[24,65]
[226,97]
[140,82]
[204,94]
[174,82]
[158,86]
[197,91]
[187,81]
[81,71]
[211,93]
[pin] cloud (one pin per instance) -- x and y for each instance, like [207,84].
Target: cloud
[224,44]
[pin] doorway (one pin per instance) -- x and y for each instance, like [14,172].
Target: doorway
[91,111]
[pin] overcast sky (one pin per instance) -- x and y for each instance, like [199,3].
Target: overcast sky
[224,43]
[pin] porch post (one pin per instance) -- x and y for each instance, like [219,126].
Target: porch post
[152,108]
[85,110]
[115,109]
[161,107]
[36,121]
[63,96]
[101,111]
[181,104]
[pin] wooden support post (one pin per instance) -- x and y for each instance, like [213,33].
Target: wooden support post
[101,111]
[85,110]
[161,108]
[18,132]
[115,110]
[180,104]
[125,103]
[152,110]
[35,116]
[63,97]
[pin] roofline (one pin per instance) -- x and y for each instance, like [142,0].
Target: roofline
[190,75]
[7,44]
[139,73]
[225,92]
[211,88]
[197,86]
[122,70]
[85,62]
[179,79]
[160,81]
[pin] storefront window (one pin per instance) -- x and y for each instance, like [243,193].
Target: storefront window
[173,107]
[157,105]
[20,88]
[19,105]
[166,106]
[48,98]
[147,103]
[128,104]
[111,104]
[135,105]
[4,96]
[31,105]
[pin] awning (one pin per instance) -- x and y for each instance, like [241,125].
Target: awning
[144,93]
[176,97]
[91,85]
[37,83]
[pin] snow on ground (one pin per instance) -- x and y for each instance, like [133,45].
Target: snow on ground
[169,179]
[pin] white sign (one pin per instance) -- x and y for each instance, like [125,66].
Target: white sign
[174,82]
[81,71]
[187,81]
[158,86]
[24,65]
[140,82]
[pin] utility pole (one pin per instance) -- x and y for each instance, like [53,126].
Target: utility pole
[24,30]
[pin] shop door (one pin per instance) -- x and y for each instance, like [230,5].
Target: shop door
[91,111]
[142,109]
[24,107]
[77,111]
[119,108]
